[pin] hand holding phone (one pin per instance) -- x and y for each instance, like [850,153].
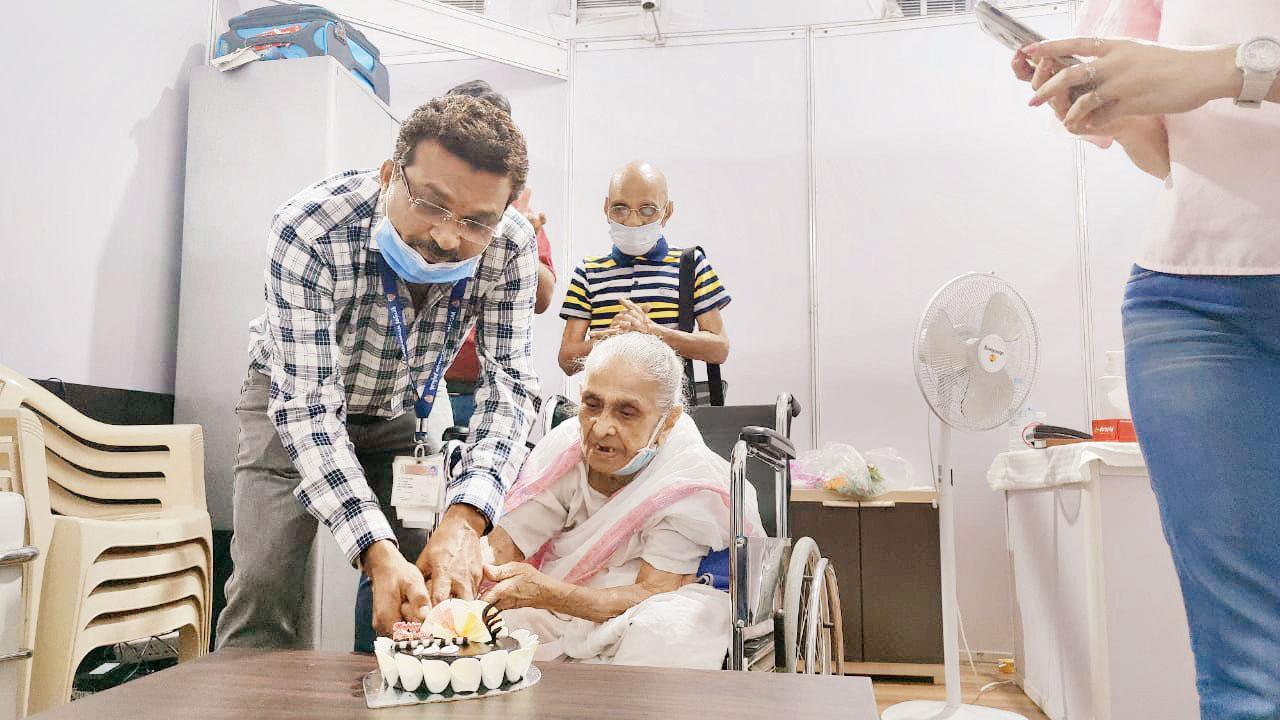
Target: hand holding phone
[1015,35]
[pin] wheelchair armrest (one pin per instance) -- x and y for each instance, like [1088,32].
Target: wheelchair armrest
[769,441]
[455,432]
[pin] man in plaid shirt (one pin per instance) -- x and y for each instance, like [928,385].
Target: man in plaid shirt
[329,398]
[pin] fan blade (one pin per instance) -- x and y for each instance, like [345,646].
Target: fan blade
[943,344]
[987,395]
[947,356]
[1000,317]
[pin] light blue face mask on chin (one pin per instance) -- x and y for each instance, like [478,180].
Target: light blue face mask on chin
[411,266]
[646,453]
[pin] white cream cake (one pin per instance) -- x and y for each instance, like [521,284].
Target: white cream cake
[462,647]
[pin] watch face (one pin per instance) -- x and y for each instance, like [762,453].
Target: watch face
[1262,55]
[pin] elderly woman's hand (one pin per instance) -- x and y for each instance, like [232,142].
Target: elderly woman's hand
[518,585]
[1131,77]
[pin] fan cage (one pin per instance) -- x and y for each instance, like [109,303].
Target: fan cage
[943,382]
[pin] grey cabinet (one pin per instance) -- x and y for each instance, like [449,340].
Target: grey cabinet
[887,561]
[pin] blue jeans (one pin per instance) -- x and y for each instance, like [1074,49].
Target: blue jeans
[1203,367]
[464,406]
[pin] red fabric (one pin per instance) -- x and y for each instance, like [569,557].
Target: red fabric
[466,366]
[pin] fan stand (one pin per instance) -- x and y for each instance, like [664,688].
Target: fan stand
[952,709]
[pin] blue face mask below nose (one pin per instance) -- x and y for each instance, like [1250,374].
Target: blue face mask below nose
[411,266]
[646,453]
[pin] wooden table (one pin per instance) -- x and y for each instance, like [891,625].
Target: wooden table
[259,684]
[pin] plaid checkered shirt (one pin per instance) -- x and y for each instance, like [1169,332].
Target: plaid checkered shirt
[326,342]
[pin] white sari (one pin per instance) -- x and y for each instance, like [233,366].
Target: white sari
[672,514]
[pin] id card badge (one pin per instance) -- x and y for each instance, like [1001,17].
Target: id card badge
[418,489]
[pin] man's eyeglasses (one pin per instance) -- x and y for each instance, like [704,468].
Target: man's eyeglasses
[476,233]
[620,213]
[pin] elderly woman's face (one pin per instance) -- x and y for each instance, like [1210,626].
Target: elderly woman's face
[618,413]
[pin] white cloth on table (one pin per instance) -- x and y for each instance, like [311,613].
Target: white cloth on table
[1062,465]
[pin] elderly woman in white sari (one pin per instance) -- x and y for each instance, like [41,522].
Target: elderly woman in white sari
[611,516]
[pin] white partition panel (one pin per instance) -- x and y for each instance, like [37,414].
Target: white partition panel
[727,124]
[539,105]
[929,165]
[1121,207]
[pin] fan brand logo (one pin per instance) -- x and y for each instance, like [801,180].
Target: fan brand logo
[993,353]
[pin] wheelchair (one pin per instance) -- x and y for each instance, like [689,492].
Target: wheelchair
[784,594]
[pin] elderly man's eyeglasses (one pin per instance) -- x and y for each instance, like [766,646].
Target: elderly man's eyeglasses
[621,213]
[476,233]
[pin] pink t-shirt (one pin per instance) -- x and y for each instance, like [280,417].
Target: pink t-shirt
[1220,214]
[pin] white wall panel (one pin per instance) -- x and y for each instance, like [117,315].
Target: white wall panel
[930,165]
[92,183]
[727,125]
[1121,207]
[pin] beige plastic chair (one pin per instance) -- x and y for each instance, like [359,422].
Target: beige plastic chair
[116,506]
[23,427]
[185,616]
[103,470]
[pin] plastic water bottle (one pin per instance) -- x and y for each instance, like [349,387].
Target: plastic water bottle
[1113,395]
[1016,425]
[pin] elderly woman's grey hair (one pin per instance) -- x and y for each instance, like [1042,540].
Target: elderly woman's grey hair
[650,357]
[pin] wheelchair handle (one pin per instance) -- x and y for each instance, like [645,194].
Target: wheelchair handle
[769,443]
[454,432]
[787,408]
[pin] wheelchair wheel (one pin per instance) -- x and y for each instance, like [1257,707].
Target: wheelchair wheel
[822,645]
[834,621]
[800,571]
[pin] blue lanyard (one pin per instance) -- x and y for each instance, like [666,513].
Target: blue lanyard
[422,406]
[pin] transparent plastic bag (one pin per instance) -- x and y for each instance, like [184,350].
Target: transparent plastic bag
[838,467]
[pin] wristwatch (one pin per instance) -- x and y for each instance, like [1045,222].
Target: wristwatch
[1259,59]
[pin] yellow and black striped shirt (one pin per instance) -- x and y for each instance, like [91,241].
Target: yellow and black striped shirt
[599,284]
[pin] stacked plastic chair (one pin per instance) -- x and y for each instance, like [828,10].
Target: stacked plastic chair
[118,514]
[15,555]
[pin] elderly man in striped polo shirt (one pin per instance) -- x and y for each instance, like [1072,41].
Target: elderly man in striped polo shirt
[636,286]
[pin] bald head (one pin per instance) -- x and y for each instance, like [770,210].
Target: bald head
[636,185]
[639,176]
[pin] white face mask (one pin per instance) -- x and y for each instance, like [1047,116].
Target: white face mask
[635,241]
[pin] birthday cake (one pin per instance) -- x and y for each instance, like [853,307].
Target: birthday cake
[462,647]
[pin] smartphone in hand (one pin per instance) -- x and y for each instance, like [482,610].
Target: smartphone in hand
[1013,34]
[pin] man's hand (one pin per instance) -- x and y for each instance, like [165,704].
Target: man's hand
[537,220]
[519,585]
[399,592]
[452,559]
[634,318]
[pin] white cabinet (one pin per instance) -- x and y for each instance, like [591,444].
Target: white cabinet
[1100,629]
